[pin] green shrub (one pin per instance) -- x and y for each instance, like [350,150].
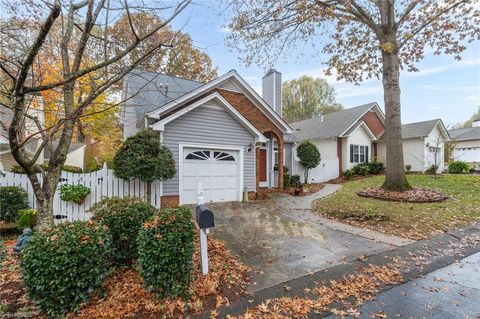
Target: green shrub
[458,167]
[348,174]
[12,199]
[165,249]
[27,218]
[408,168]
[74,193]
[63,265]
[375,167]
[295,181]
[3,252]
[432,169]
[364,170]
[124,218]
[361,169]
[286,180]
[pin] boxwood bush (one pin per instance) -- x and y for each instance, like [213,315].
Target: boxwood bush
[27,218]
[165,249]
[124,218]
[63,265]
[12,199]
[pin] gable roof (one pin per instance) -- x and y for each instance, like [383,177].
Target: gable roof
[147,91]
[249,92]
[420,129]
[465,134]
[259,137]
[332,125]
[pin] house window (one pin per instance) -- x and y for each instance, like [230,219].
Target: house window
[222,156]
[358,153]
[199,155]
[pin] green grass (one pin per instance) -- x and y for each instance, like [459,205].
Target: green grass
[416,221]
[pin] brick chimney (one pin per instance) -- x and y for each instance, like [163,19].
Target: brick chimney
[272,90]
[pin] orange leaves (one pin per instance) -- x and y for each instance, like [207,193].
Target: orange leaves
[349,292]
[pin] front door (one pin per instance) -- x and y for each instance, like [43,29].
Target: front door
[262,169]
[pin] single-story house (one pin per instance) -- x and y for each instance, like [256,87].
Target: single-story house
[423,145]
[344,138]
[222,134]
[466,143]
[75,156]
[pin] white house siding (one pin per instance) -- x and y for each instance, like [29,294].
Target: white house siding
[209,124]
[328,167]
[414,154]
[287,149]
[7,161]
[76,158]
[434,139]
[467,151]
[358,137]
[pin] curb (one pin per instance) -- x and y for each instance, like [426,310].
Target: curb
[432,254]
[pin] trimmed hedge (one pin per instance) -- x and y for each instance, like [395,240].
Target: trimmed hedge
[348,174]
[165,249]
[12,199]
[124,218]
[458,167]
[63,265]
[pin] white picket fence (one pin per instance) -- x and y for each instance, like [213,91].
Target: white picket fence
[102,184]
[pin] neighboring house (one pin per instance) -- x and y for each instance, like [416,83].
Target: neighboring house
[75,155]
[466,143]
[423,145]
[344,138]
[222,134]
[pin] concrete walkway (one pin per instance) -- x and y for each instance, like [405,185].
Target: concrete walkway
[300,208]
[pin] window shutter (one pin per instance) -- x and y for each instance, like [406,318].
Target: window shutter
[366,154]
[351,153]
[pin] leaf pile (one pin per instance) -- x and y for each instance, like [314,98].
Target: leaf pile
[415,195]
[347,294]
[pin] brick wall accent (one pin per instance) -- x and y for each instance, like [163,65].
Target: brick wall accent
[340,156]
[169,201]
[374,123]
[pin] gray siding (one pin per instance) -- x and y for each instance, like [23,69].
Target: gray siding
[287,148]
[208,125]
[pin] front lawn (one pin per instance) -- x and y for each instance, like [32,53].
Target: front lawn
[410,220]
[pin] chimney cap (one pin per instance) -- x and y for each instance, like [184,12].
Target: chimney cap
[270,71]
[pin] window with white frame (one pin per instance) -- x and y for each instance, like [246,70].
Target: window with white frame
[358,153]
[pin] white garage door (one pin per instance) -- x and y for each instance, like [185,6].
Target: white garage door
[217,170]
[467,154]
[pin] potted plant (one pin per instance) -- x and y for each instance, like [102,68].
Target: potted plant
[74,193]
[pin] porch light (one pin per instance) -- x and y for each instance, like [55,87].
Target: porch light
[249,148]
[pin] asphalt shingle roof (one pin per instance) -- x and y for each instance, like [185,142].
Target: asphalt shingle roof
[463,134]
[418,129]
[150,91]
[332,125]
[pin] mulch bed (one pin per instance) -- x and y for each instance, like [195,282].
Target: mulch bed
[308,189]
[125,295]
[415,195]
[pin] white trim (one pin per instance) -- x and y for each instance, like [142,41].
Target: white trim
[266,109]
[160,125]
[366,128]
[183,145]
[377,110]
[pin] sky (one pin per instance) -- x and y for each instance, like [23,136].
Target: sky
[443,88]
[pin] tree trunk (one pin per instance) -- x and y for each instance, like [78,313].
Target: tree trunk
[395,172]
[306,176]
[149,192]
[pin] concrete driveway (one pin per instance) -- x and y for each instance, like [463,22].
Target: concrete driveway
[282,242]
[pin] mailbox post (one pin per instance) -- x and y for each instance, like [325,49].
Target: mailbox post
[205,221]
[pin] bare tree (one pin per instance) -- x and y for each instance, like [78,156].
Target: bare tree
[364,39]
[70,31]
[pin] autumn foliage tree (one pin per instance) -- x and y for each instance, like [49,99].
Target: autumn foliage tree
[363,39]
[306,97]
[73,36]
